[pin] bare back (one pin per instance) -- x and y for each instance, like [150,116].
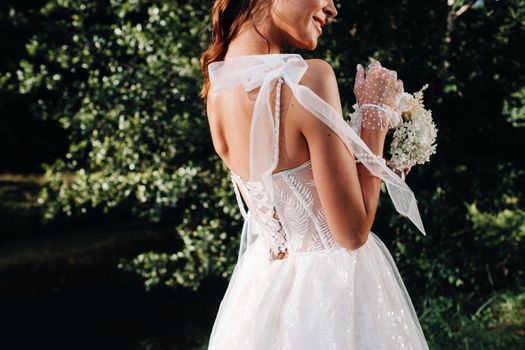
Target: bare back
[312,132]
[229,116]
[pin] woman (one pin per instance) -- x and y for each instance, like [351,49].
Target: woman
[310,273]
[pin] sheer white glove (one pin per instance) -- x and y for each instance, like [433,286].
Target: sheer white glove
[378,92]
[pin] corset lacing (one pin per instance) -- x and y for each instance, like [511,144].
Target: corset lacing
[278,248]
[269,220]
[266,216]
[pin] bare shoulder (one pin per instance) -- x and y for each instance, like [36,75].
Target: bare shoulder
[320,77]
[317,65]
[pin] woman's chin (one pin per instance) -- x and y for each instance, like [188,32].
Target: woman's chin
[310,44]
[312,48]
[305,40]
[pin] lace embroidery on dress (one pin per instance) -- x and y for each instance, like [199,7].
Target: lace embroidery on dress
[322,296]
[268,72]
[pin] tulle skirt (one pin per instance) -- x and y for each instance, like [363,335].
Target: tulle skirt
[330,299]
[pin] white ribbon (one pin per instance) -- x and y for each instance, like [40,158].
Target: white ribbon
[262,71]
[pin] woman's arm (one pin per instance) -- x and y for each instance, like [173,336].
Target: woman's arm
[370,185]
[349,194]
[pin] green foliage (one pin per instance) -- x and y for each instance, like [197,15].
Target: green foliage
[514,108]
[475,234]
[208,245]
[469,55]
[122,80]
[499,323]
[120,77]
[18,209]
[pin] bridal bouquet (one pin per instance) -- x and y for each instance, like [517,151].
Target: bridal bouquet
[413,140]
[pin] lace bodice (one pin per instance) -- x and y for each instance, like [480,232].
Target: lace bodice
[298,223]
[311,293]
[285,208]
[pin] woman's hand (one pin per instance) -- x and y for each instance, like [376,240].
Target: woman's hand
[380,87]
[377,85]
[402,173]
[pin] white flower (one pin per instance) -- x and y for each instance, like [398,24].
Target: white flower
[414,141]
[405,101]
[414,137]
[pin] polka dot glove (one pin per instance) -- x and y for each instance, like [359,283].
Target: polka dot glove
[378,92]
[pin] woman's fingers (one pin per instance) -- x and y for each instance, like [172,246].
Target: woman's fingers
[399,85]
[393,74]
[375,65]
[359,76]
[378,83]
[360,71]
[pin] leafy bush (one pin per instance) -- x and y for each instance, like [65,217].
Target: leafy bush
[499,323]
[122,77]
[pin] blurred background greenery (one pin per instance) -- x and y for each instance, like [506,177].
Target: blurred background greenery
[119,227]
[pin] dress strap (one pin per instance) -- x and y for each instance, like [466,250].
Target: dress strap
[277,123]
[279,248]
[263,206]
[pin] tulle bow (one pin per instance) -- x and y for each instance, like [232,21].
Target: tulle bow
[262,71]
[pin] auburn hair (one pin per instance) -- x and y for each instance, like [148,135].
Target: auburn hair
[227,18]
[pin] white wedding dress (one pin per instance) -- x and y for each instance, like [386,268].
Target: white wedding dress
[320,296]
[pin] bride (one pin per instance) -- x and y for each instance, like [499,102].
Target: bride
[310,272]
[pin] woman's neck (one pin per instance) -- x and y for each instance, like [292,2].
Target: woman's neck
[265,38]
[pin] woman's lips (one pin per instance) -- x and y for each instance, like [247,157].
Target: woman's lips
[318,24]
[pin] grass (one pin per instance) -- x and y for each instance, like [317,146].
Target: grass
[19,212]
[499,323]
